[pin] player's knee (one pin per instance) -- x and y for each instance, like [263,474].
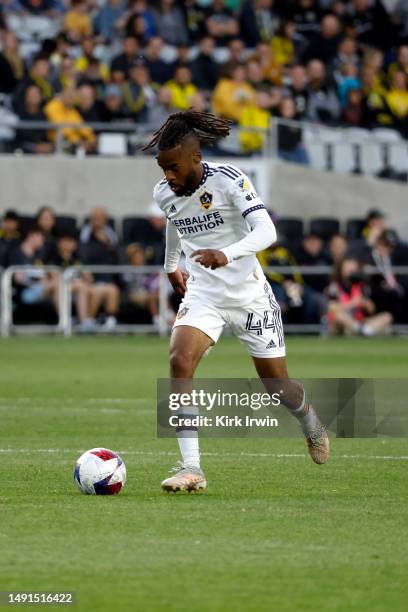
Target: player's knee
[181,365]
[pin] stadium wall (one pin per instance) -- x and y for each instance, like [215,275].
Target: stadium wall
[124,186]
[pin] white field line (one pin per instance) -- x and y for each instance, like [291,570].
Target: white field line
[75,400]
[207,454]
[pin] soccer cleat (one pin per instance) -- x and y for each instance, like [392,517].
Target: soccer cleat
[318,444]
[186,478]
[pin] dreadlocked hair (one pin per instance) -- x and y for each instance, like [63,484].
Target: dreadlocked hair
[206,127]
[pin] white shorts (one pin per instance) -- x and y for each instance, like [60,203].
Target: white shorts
[258,326]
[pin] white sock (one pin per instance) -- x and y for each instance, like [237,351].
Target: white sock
[306,416]
[188,440]
[189,447]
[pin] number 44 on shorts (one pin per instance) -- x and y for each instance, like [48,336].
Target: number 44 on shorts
[253,323]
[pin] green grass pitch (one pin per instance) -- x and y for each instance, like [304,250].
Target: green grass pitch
[273,531]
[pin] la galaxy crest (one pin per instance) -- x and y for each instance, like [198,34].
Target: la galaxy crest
[206,200]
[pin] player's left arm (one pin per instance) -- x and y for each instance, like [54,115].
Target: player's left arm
[261,235]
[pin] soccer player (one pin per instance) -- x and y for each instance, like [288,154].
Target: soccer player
[215,216]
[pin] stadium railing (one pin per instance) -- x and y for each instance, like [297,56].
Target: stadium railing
[66,327]
[378,152]
[65,323]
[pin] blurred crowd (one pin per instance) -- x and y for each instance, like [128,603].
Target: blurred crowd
[345,300]
[340,62]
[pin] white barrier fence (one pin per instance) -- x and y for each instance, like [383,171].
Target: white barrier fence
[65,325]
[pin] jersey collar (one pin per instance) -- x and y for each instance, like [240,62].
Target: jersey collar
[204,178]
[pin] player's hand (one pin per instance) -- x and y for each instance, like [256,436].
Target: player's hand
[178,280]
[210,258]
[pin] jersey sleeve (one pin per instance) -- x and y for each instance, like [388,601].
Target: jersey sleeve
[173,248]
[262,233]
[244,196]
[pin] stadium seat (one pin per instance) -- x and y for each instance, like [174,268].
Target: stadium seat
[355,137]
[324,227]
[134,229]
[386,135]
[66,223]
[372,157]
[289,228]
[354,228]
[112,144]
[317,155]
[398,157]
[26,221]
[343,157]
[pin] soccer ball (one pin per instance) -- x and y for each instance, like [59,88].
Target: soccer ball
[100,471]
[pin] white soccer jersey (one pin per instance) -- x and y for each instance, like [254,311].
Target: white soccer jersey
[219,213]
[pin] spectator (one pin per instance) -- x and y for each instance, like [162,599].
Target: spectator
[368,21]
[39,74]
[256,117]
[346,54]
[256,77]
[375,224]
[163,108]
[272,71]
[121,63]
[83,61]
[294,297]
[159,70]
[106,21]
[9,236]
[376,111]
[170,24]
[204,68]
[66,256]
[324,44]
[35,285]
[298,91]
[140,22]
[67,75]
[138,94]
[258,22]
[401,65]
[221,23]
[337,248]
[99,247]
[98,229]
[397,100]
[236,55]
[12,68]
[154,235]
[77,22]
[182,89]
[232,94]
[283,44]
[194,16]
[306,14]
[61,110]
[323,104]
[389,291]
[87,105]
[351,310]
[28,139]
[142,290]
[112,108]
[348,79]
[290,146]
[46,222]
[353,112]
